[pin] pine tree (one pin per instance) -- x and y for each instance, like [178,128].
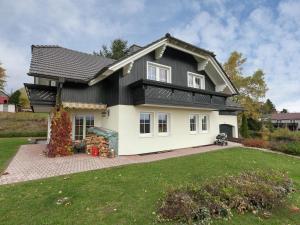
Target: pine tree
[244,127]
[117,49]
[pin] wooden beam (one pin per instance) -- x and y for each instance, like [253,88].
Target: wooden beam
[127,68]
[202,65]
[160,51]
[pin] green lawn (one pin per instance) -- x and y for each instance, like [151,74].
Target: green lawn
[129,194]
[8,148]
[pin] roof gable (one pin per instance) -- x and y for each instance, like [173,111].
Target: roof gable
[206,61]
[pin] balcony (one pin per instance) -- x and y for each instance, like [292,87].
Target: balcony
[159,93]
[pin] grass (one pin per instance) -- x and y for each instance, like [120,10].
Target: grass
[23,124]
[8,148]
[129,194]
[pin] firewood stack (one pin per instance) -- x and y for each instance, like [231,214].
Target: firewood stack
[100,142]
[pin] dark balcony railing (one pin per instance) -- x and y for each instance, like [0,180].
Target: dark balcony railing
[41,94]
[154,92]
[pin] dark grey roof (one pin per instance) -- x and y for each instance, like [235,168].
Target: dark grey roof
[55,61]
[285,116]
[232,105]
[3,93]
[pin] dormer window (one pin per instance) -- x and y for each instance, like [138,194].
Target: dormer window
[158,72]
[196,80]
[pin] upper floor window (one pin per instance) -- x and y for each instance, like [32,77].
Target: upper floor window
[196,80]
[158,72]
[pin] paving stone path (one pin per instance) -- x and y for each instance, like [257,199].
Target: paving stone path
[31,164]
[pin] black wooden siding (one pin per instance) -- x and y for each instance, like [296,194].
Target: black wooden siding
[105,92]
[180,62]
[115,89]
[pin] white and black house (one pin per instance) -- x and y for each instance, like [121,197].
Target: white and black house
[166,95]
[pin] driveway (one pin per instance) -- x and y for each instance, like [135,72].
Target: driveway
[30,164]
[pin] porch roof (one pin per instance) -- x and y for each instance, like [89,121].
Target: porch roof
[80,105]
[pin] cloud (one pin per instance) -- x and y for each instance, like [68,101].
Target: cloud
[267,36]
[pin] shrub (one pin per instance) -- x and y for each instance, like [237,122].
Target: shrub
[23,134]
[60,140]
[257,143]
[285,135]
[248,191]
[291,147]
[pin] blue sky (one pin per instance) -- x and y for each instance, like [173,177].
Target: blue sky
[266,32]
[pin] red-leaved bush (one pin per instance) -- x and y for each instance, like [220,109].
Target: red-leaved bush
[257,143]
[61,127]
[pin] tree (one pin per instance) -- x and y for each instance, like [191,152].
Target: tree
[284,111]
[268,107]
[15,98]
[2,77]
[117,49]
[251,88]
[244,127]
[23,99]
[60,140]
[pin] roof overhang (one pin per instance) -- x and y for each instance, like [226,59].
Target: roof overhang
[206,61]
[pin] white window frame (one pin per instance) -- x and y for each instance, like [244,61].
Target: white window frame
[151,124]
[196,123]
[157,67]
[168,124]
[201,116]
[196,75]
[84,124]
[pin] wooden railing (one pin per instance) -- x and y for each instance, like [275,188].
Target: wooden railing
[153,92]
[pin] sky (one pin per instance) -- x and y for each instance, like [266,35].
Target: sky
[266,32]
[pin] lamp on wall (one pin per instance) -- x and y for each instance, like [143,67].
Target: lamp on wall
[105,113]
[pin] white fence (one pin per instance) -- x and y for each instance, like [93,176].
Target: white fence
[7,108]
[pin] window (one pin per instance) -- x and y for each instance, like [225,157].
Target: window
[196,80]
[81,125]
[204,123]
[145,124]
[158,72]
[163,121]
[193,124]
[89,122]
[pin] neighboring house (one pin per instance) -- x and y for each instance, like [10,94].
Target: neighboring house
[286,120]
[4,106]
[166,95]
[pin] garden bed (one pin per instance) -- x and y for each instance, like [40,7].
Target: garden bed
[281,140]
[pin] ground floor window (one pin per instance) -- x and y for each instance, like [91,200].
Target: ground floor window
[193,123]
[81,125]
[204,123]
[163,123]
[198,122]
[145,124]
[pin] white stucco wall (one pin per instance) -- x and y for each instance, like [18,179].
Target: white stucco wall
[125,120]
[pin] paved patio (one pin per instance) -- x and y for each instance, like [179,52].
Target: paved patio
[30,164]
